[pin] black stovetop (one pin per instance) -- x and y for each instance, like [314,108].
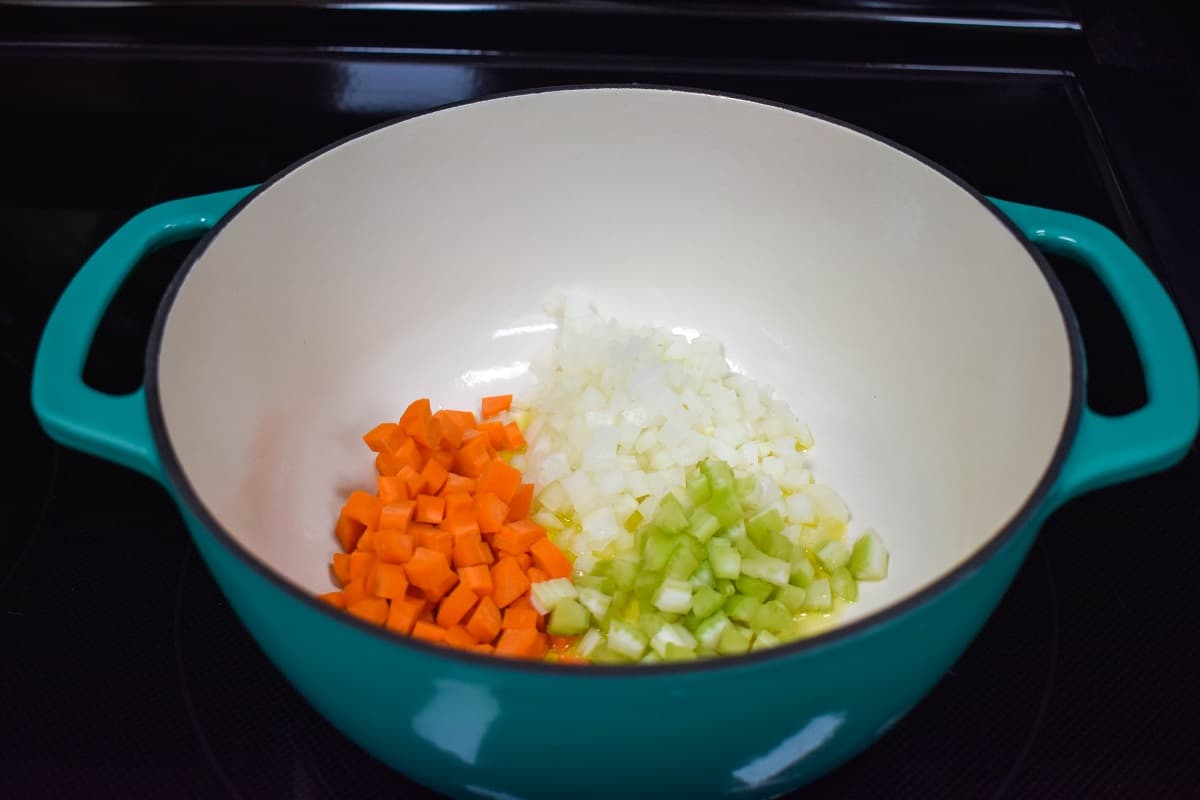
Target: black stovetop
[123,672]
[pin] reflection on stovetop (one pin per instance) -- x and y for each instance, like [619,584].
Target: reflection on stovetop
[125,673]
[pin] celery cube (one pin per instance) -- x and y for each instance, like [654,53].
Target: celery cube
[771,616]
[569,618]
[776,545]
[725,560]
[670,515]
[719,475]
[791,596]
[869,561]
[763,524]
[703,524]
[833,554]
[734,641]
[803,572]
[703,576]
[725,507]
[843,585]
[754,587]
[709,631]
[650,622]
[706,601]
[624,573]
[659,546]
[742,607]
[818,596]
[697,488]
[627,640]
[677,652]
[774,571]
[673,596]
[763,640]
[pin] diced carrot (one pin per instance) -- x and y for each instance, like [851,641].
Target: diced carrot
[408,454]
[390,581]
[468,550]
[384,437]
[391,489]
[366,542]
[429,570]
[360,562]
[403,614]
[520,618]
[429,632]
[452,429]
[412,480]
[495,404]
[490,510]
[541,646]
[495,433]
[370,609]
[508,581]
[500,478]
[458,484]
[518,643]
[524,601]
[472,457]
[488,556]
[430,509]
[416,418]
[513,438]
[443,457]
[459,508]
[388,464]
[363,508]
[458,636]
[456,605]
[465,419]
[522,499]
[536,575]
[393,546]
[355,591]
[484,622]
[478,578]
[433,538]
[341,568]
[550,559]
[347,531]
[335,599]
[434,476]
[524,561]
[517,537]
[486,649]
[397,515]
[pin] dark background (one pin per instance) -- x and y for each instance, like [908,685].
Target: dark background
[122,671]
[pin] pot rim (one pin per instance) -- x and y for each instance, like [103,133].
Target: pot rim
[187,496]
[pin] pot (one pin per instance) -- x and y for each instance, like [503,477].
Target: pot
[911,321]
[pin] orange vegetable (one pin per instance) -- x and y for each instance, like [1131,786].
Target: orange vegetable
[452,428]
[484,622]
[391,490]
[472,457]
[430,509]
[429,631]
[495,434]
[335,599]
[363,508]
[433,538]
[468,550]
[496,404]
[522,499]
[403,614]
[397,515]
[520,618]
[370,609]
[412,480]
[519,643]
[508,581]
[477,577]
[513,438]
[490,511]
[366,542]
[384,437]
[390,581]
[416,421]
[517,537]
[393,546]
[571,658]
[434,476]
[458,636]
[456,605]
[347,531]
[550,559]
[458,484]
[429,570]
[500,478]
[341,568]
[561,644]
[536,575]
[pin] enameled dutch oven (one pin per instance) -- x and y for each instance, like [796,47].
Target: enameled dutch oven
[910,320]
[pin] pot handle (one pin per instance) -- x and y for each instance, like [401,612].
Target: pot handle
[1110,449]
[114,427]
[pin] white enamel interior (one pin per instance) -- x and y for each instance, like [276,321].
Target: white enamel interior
[891,309]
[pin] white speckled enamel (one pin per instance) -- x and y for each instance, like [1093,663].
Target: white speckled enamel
[891,309]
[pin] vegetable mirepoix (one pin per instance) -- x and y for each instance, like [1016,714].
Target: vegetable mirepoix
[444,551]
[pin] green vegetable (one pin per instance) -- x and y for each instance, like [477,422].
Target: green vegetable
[763,640]
[869,561]
[624,573]
[818,596]
[697,488]
[833,554]
[771,570]
[843,584]
[704,576]
[734,641]
[676,652]
[725,560]
[758,589]
[595,601]
[659,547]
[674,596]
[719,475]
[670,516]
[771,616]
[791,596]
[725,507]
[650,622]
[706,601]
[596,581]
[742,607]
[744,487]
[626,639]
[703,524]
[681,564]
[763,524]
[708,632]
[569,618]
[803,572]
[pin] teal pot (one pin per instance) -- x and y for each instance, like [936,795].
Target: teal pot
[911,321]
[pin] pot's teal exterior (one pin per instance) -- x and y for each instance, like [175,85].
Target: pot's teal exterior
[752,727]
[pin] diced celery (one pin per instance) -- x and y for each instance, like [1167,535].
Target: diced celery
[627,640]
[635,519]
[709,631]
[719,475]
[590,641]
[691,621]
[834,554]
[776,545]
[725,560]
[676,652]
[703,576]
[754,587]
[569,618]
[674,596]
[595,601]
[670,515]
[597,582]
[734,641]
[742,607]
[623,603]
[803,572]
[703,524]
[672,633]
[764,523]
[624,573]
[606,655]
[735,532]
[652,658]
[791,596]
[843,585]
[706,600]
[697,488]
[602,569]
[763,640]
[681,564]
[546,595]
[659,546]
[869,561]
[774,571]
[725,507]
[818,596]
[745,487]
[650,622]
[771,616]
[726,587]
